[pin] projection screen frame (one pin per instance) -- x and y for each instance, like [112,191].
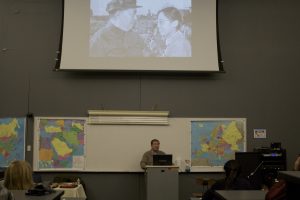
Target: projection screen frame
[57,67]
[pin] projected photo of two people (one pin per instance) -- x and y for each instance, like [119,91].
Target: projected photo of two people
[140,28]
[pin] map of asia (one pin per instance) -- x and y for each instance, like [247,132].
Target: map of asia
[12,140]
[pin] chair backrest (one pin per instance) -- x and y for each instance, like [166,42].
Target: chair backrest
[278,191]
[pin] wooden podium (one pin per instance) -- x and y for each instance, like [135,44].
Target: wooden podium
[162,182]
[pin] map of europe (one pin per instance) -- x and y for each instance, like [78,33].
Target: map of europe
[215,142]
[12,140]
[61,143]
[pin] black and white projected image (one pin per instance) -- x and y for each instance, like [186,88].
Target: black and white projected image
[140,28]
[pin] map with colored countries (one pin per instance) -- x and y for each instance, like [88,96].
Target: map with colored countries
[12,140]
[61,143]
[215,141]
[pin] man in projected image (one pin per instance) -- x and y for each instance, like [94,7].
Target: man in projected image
[169,22]
[148,155]
[116,38]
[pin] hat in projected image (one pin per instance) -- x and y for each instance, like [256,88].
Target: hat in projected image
[115,5]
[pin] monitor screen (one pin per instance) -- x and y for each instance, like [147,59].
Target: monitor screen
[140,35]
[162,159]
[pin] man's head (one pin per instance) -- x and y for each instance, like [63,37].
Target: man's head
[232,168]
[123,13]
[115,5]
[155,145]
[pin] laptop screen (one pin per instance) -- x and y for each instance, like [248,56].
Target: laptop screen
[165,159]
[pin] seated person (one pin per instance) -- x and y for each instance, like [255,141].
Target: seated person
[5,194]
[148,155]
[232,180]
[278,189]
[18,176]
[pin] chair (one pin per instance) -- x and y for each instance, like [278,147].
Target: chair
[206,183]
[278,191]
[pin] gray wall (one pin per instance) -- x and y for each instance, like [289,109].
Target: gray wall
[260,46]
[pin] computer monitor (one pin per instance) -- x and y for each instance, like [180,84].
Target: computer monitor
[165,159]
[251,164]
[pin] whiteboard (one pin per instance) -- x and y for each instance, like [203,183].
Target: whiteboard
[119,148]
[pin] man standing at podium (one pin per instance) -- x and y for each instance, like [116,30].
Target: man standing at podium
[148,155]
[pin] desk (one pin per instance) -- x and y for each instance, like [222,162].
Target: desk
[240,194]
[290,176]
[292,179]
[77,192]
[20,195]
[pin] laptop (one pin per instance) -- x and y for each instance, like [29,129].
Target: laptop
[165,159]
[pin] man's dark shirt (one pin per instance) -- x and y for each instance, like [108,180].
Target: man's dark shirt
[113,42]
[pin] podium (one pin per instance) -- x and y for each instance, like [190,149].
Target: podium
[162,182]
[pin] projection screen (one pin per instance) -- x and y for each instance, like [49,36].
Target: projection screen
[140,35]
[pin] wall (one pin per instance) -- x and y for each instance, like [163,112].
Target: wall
[259,44]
